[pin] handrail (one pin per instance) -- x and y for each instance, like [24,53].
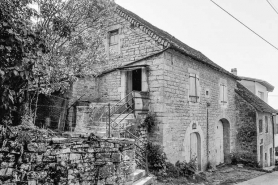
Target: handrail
[121,107]
[121,120]
[142,154]
[122,99]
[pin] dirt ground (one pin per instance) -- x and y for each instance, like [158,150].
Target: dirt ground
[226,175]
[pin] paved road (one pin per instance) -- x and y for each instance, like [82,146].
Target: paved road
[267,179]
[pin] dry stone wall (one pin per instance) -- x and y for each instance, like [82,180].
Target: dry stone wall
[32,157]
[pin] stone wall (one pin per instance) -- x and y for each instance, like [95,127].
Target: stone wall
[247,129]
[34,157]
[180,114]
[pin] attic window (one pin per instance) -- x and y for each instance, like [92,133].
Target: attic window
[113,37]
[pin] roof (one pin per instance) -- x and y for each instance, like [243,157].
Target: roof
[268,86]
[254,100]
[168,40]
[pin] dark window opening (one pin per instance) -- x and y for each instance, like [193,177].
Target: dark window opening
[137,80]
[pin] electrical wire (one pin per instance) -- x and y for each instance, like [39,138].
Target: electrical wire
[244,25]
[272,6]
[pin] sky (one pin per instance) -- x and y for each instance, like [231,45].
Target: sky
[208,29]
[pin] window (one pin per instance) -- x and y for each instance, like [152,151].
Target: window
[260,125]
[266,124]
[261,95]
[113,41]
[193,88]
[223,93]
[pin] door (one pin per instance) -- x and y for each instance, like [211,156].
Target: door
[271,156]
[219,142]
[261,156]
[195,149]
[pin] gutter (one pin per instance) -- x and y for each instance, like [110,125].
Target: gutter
[127,65]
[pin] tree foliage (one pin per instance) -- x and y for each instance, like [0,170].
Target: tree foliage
[20,48]
[73,31]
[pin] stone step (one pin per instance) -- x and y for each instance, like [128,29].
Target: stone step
[126,116]
[139,174]
[145,181]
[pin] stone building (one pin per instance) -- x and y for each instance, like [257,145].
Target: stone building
[196,102]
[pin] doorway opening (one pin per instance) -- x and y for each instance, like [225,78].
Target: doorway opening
[137,80]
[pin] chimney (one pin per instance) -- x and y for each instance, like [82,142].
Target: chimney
[234,71]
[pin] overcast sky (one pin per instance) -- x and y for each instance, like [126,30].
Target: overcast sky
[205,27]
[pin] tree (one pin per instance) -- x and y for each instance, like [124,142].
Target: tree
[73,31]
[20,48]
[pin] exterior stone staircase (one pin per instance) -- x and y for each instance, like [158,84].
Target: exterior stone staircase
[120,122]
[140,178]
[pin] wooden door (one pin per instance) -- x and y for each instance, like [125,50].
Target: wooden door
[271,156]
[219,142]
[261,156]
[195,149]
[193,146]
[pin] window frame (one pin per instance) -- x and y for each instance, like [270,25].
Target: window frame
[113,46]
[111,34]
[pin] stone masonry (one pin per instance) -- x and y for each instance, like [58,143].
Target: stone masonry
[168,71]
[34,157]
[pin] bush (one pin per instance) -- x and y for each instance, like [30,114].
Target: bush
[187,168]
[156,157]
[244,158]
[149,123]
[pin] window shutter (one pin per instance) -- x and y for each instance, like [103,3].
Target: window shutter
[225,94]
[192,87]
[198,86]
[221,93]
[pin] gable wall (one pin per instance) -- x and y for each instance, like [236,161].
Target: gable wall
[134,43]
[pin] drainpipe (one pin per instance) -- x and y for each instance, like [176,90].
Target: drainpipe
[208,104]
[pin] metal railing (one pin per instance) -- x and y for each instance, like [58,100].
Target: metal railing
[113,113]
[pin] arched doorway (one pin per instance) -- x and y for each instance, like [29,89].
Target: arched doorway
[195,148]
[222,141]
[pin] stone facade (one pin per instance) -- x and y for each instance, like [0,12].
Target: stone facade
[167,79]
[36,159]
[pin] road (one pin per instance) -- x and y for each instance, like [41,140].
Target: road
[267,179]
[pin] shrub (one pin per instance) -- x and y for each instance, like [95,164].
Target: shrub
[187,168]
[156,157]
[149,123]
[244,158]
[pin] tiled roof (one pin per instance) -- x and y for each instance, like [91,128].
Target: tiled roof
[168,40]
[254,100]
[269,87]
